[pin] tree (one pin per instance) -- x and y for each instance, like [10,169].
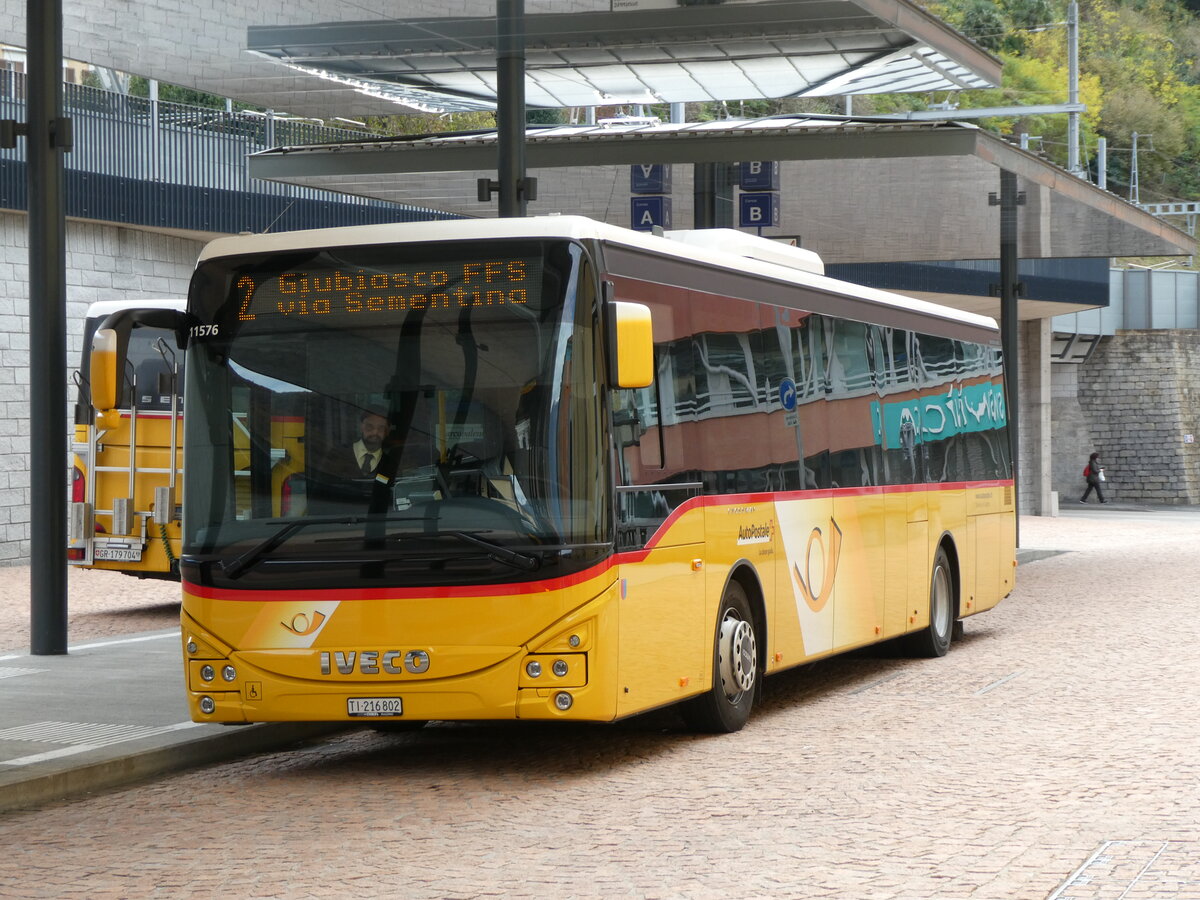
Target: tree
[1139,72]
[983,22]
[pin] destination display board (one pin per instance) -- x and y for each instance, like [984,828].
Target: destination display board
[382,291]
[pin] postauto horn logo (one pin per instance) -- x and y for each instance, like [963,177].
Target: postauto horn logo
[817,592]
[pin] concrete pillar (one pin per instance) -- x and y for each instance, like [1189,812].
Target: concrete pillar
[1037,451]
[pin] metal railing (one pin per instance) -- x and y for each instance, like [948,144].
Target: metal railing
[156,163]
[1139,299]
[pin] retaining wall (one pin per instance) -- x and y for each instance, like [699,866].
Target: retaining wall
[104,262]
[1135,402]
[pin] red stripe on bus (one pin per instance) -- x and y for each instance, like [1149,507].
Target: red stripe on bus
[557,584]
[817,494]
[432,593]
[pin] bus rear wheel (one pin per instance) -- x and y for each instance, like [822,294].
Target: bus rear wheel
[725,707]
[934,639]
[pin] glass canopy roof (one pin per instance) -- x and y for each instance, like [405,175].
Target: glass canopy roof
[672,51]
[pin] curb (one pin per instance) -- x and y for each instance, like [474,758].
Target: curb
[72,782]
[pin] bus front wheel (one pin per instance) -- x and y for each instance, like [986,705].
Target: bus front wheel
[725,707]
[934,639]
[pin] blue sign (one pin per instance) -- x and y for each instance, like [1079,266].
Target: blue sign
[650,179]
[646,212]
[758,210]
[787,394]
[758,176]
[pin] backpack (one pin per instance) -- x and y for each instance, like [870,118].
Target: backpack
[1087,470]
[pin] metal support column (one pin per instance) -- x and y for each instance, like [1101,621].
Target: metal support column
[1073,89]
[712,192]
[510,105]
[1010,289]
[48,136]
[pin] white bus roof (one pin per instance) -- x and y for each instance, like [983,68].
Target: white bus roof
[102,308]
[770,259]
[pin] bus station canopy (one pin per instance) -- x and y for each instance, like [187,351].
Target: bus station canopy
[857,190]
[353,58]
[643,51]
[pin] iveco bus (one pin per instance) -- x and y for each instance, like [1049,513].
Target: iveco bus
[618,471]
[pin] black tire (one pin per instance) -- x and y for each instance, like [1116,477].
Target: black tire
[934,640]
[726,706]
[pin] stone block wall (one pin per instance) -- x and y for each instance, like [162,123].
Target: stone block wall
[104,262]
[1135,403]
[1072,438]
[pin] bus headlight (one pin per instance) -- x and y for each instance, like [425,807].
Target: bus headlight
[559,668]
[207,673]
[533,668]
[229,673]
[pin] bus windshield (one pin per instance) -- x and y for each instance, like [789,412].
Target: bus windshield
[411,414]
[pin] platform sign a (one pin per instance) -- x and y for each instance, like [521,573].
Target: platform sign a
[647,212]
[654,179]
[759,210]
[759,176]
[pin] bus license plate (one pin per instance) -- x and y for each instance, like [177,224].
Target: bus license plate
[118,554]
[374,706]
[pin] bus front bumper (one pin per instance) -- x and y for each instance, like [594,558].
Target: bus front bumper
[228,686]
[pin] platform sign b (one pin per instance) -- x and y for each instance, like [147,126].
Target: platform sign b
[759,175]
[759,210]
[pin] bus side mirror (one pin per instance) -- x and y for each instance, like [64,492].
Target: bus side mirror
[104,370]
[631,336]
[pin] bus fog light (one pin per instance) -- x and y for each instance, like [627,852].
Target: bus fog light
[207,673]
[559,668]
[563,700]
[533,668]
[229,673]
[207,705]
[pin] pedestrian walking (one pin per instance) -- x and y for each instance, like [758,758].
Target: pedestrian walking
[1094,473]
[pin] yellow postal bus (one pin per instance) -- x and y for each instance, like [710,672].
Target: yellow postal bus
[611,472]
[124,507]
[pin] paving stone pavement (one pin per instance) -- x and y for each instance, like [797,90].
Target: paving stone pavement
[101,604]
[1054,753]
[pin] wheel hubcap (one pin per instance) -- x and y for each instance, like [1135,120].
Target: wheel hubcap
[940,601]
[738,659]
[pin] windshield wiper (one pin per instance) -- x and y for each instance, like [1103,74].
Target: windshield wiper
[236,567]
[523,561]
